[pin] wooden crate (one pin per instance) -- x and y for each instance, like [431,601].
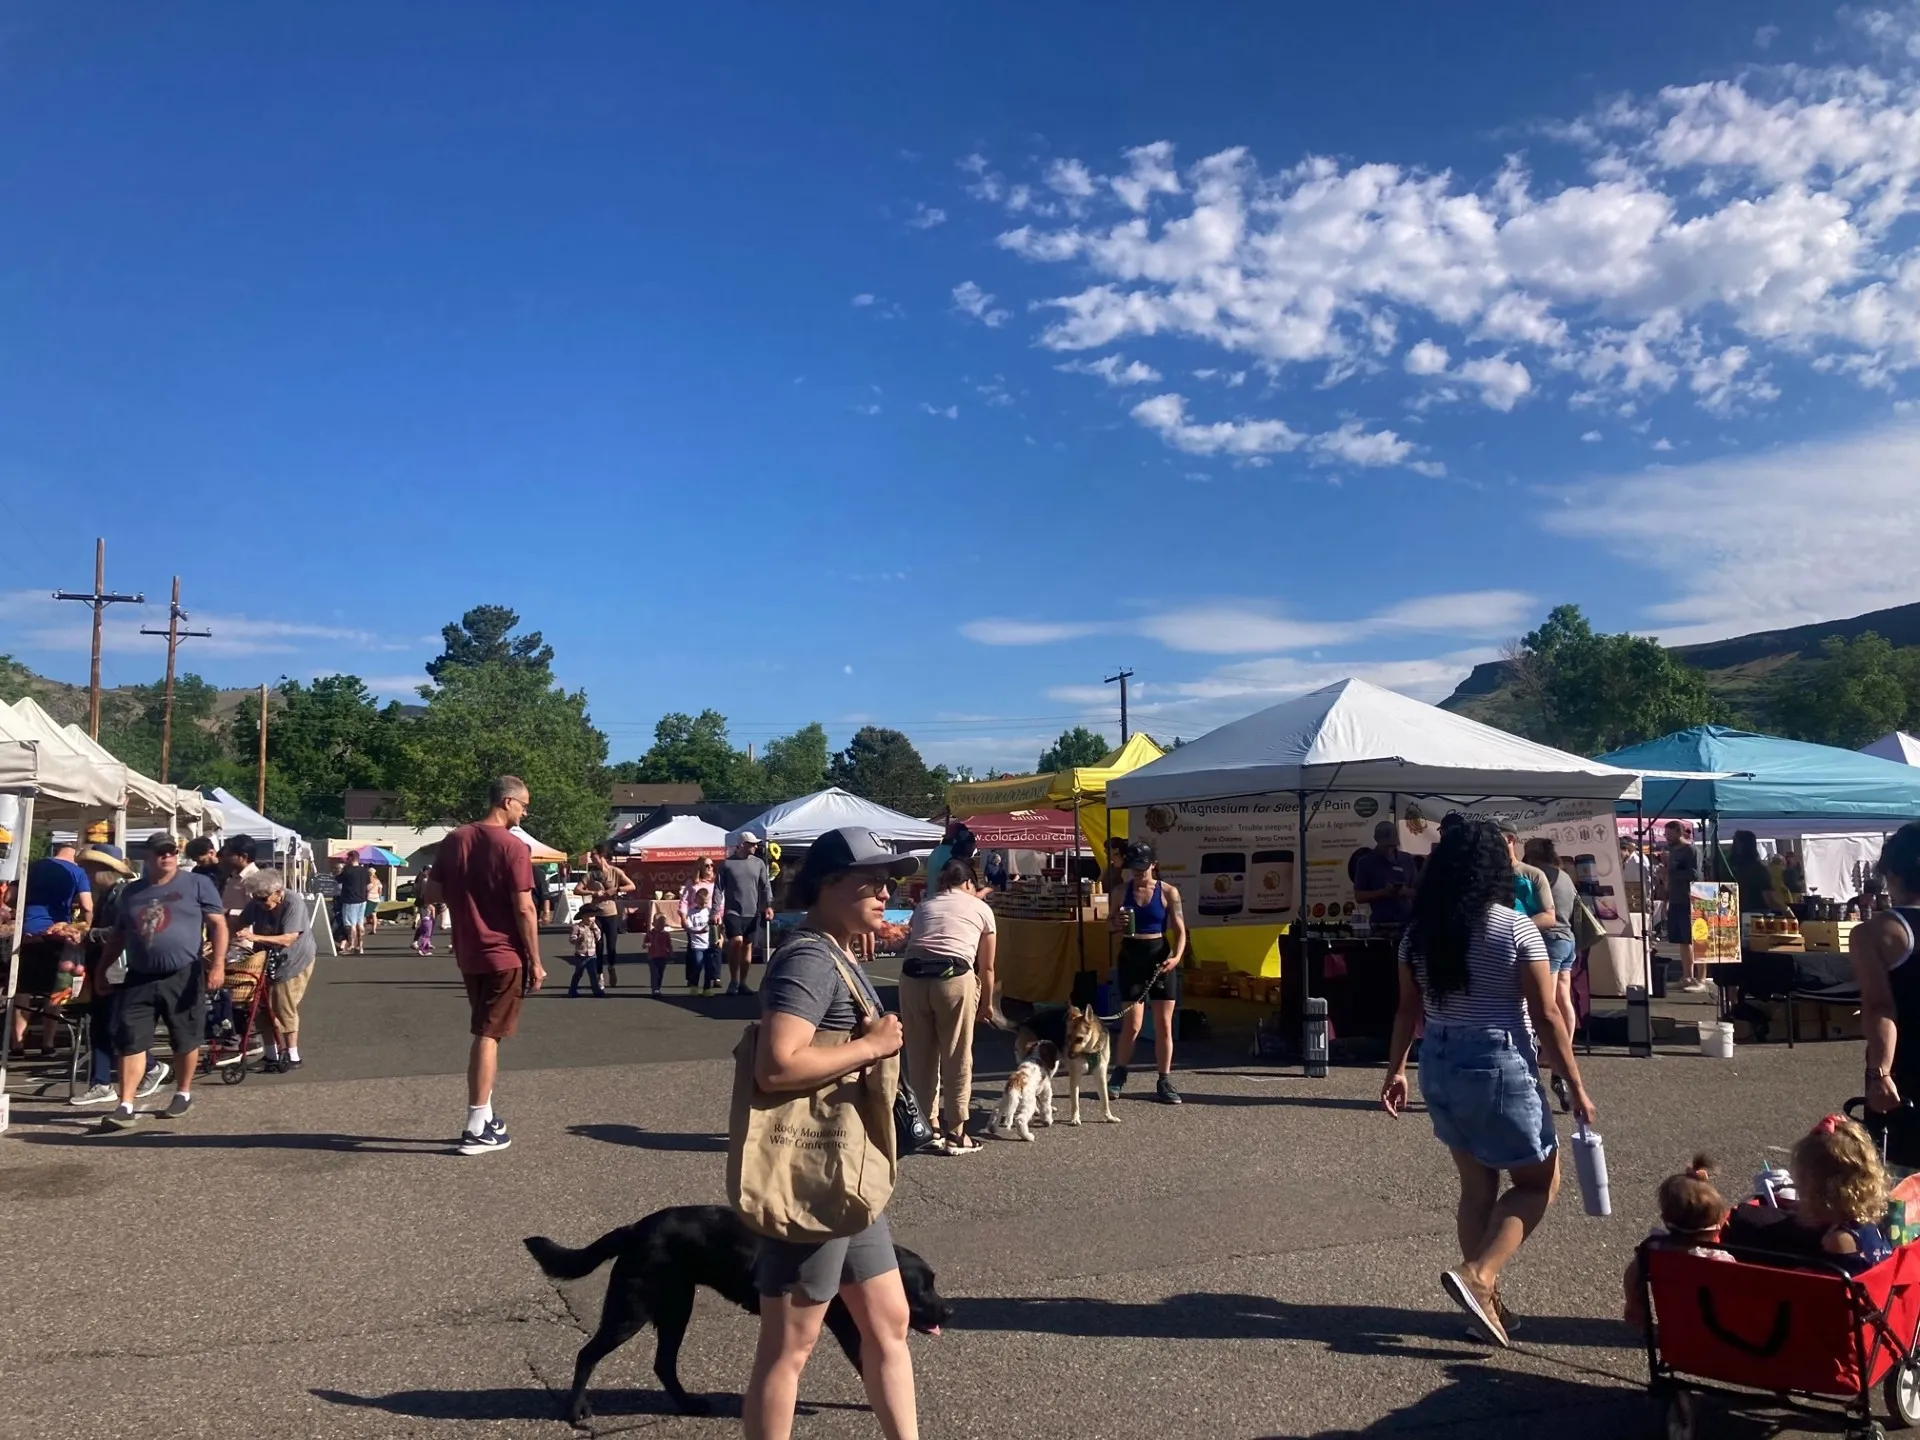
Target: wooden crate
[1827,934]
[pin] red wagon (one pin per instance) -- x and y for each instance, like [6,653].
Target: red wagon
[1790,1329]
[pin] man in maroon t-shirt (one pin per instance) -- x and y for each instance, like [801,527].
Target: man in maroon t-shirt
[484,876]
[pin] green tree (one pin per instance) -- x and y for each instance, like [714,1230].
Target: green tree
[1589,692]
[323,739]
[796,764]
[1078,746]
[201,753]
[506,718]
[484,636]
[881,765]
[1854,693]
[694,749]
[16,680]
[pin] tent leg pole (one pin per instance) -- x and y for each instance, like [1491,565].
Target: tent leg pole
[23,847]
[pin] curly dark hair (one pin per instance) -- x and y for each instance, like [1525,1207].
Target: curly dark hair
[1469,873]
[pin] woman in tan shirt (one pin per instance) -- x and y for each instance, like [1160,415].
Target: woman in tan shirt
[948,967]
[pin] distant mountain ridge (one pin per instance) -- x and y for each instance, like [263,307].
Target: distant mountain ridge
[1734,668]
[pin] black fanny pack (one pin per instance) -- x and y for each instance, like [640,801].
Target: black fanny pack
[934,967]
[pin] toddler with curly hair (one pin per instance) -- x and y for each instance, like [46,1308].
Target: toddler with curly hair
[1843,1193]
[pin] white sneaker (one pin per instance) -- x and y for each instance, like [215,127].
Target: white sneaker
[98,1095]
[155,1077]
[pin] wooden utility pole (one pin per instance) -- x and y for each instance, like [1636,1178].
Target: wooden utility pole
[174,635]
[262,805]
[1122,677]
[99,599]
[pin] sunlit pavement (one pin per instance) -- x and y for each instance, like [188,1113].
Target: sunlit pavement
[305,1256]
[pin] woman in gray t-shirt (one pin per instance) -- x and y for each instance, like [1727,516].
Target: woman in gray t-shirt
[1561,953]
[843,884]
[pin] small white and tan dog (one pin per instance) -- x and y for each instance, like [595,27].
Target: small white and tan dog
[1029,1093]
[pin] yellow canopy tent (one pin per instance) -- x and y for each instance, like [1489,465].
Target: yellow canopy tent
[1082,789]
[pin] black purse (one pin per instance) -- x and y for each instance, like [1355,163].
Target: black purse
[911,1132]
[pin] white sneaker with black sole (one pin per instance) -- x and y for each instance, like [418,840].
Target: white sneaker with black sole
[492,1136]
[155,1077]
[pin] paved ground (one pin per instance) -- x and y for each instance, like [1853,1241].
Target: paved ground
[304,1257]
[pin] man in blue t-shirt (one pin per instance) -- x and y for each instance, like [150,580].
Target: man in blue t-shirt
[55,885]
[1384,877]
[164,919]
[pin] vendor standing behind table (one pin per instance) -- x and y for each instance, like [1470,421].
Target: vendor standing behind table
[1384,877]
[1750,873]
[1683,869]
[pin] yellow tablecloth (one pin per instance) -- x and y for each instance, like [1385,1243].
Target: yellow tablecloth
[1035,960]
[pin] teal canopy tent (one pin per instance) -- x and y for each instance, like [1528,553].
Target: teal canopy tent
[1712,770]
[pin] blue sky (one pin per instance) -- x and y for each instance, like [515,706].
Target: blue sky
[920,367]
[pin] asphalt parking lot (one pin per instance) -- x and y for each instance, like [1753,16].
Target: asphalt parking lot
[304,1255]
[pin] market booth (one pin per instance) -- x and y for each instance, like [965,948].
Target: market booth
[1260,821]
[1836,803]
[1050,930]
[662,861]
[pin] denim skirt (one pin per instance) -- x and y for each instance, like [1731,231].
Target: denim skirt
[1483,1092]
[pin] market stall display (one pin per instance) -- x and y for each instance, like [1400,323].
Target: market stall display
[1260,820]
[1040,949]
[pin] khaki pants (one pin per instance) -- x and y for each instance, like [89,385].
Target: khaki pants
[938,1017]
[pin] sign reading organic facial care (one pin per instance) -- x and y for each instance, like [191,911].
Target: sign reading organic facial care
[1582,832]
[1237,861]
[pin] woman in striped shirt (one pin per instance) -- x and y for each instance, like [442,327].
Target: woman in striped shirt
[1478,972]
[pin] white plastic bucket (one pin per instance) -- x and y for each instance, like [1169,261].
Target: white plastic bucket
[1716,1040]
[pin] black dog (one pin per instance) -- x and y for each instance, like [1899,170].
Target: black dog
[657,1265]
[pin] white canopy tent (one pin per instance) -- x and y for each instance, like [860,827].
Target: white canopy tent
[1899,746]
[147,797]
[803,821]
[540,852]
[684,837]
[239,818]
[72,780]
[1356,736]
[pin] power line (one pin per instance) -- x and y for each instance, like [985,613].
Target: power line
[174,635]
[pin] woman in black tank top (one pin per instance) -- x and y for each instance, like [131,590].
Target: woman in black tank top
[1888,972]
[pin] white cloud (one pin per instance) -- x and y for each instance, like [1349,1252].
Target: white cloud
[1803,550]
[35,622]
[1757,216]
[1663,444]
[970,299]
[844,670]
[950,412]
[1070,178]
[1592,437]
[866,407]
[1114,369]
[925,217]
[1765,36]
[1502,382]
[1253,439]
[862,299]
[1248,627]
[1427,358]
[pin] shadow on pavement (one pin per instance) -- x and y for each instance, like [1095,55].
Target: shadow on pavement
[620,1134]
[1303,1102]
[158,1139]
[1343,1329]
[531,1403]
[1488,1403]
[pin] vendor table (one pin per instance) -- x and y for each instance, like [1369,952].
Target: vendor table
[1358,977]
[1035,960]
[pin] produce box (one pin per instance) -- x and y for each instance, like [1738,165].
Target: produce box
[1776,942]
[1827,934]
[1812,1020]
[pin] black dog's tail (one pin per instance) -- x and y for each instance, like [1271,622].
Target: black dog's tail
[564,1264]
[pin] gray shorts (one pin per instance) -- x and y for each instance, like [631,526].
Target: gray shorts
[818,1271]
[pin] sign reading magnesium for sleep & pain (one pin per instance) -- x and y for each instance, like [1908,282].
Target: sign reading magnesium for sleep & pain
[1238,862]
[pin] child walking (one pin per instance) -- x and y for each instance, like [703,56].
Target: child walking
[703,958]
[423,927]
[659,951]
[586,954]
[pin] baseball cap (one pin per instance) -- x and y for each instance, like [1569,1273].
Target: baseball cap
[161,843]
[1139,855]
[1385,830]
[749,837]
[852,849]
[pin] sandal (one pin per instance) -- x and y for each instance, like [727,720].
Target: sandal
[961,1144]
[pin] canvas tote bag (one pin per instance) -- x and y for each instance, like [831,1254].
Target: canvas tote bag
[819,1164]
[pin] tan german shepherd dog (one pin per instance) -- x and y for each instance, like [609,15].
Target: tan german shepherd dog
[1082,1041]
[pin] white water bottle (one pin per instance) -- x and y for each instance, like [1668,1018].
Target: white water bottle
[1590,1163]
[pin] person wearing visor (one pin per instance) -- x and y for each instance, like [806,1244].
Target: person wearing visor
[1154,927]
[843,885]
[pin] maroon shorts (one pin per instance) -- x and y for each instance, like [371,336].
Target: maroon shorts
[494,998]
